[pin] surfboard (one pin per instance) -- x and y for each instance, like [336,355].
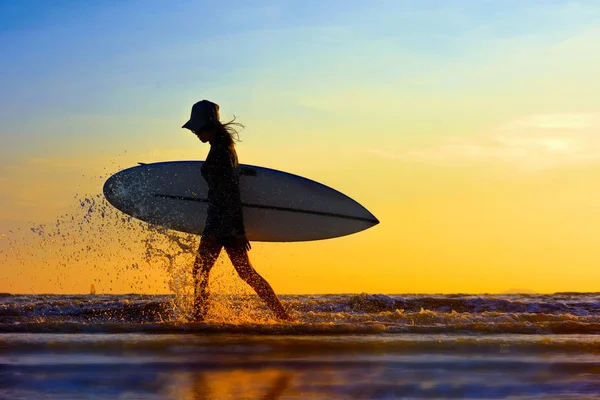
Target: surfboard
[277,206]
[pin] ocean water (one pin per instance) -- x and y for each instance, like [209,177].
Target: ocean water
[355,346]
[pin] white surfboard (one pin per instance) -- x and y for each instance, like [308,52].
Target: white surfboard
[277,206]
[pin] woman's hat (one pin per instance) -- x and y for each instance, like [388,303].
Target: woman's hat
[203,113]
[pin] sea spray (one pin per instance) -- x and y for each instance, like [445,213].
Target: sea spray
[94,239]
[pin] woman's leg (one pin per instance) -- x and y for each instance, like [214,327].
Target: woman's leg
[208,252]
[241,262]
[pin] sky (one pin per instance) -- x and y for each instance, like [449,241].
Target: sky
[471,130]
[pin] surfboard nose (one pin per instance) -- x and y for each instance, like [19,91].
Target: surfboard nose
[363,214]
[375,220]
[368,217]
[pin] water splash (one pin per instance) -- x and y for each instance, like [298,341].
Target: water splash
[94,238]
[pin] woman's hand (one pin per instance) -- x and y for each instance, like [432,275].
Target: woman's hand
[242,242]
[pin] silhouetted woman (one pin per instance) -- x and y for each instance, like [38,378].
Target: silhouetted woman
[224,226]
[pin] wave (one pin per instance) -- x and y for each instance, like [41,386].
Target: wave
[314,314]
[339,328]
[460,303]
[302,343]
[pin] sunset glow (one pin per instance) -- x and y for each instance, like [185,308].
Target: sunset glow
[471,132]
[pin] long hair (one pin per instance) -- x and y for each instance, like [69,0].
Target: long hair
[230,130]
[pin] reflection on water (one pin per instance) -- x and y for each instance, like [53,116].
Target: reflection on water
[149,366]
[370,380]
[266,385]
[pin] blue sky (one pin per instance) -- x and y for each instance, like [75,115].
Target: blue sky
[114,75]
[67,62]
